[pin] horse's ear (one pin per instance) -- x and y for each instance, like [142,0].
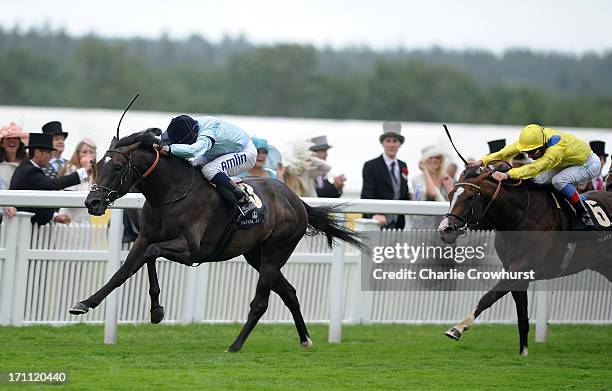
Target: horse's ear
[113,142]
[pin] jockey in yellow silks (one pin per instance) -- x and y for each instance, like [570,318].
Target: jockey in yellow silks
[559,159]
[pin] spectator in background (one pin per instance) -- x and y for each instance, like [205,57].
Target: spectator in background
[325,188]
[29,174]
[13,142]
[12,152]
[432,184]
[267,161]
[85,149]
[599,147]
[301,167]
[55,165]
[386,177]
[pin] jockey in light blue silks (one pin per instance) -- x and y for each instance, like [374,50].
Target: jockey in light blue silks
[221,148]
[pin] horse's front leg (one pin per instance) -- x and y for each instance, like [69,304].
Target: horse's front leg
[497,292]
[132,264]
[157,311]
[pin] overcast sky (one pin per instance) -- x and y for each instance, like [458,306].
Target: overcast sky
[559,25]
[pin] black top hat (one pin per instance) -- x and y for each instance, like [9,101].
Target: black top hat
[41,141]
[53,128]
[496,145]
[599,147]
[319,143]
[392,129]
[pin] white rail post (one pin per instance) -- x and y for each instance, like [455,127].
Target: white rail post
[362,301]
[11,225]
[543,308]
[336,294]
[20,277]
[115,235]
[201,286]
[188,295]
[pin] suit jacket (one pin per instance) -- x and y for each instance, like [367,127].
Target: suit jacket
[377,185]
[29,177]
[328,190]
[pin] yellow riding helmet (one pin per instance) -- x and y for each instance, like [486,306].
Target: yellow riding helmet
[532,137]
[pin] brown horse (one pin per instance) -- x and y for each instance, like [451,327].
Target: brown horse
[185,220]
[521,206]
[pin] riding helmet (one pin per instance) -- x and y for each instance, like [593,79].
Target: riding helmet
[182,130]
[532,137]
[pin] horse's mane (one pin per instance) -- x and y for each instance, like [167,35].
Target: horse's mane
[146,138]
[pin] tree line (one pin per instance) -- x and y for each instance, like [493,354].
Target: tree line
[50,68]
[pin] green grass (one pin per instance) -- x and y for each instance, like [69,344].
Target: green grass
[378,356]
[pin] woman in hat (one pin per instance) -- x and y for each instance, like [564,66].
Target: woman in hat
[301,167]
[86,148]
[433,184]
[12,150]
[267,160]
[559,159]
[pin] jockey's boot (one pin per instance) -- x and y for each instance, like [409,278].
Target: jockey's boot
[242,199]
[583,215]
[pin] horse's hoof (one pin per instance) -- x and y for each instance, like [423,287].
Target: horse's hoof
[79,309]
[524,352]
[232,349]
[453,333]
[157,314]
[307,344]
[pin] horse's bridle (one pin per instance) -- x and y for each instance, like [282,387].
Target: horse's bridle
[471,221]
[113,191]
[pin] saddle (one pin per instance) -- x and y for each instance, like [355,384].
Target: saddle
[598,211]
[237,220]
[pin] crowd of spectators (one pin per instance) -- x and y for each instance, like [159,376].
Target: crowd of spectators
[35,161]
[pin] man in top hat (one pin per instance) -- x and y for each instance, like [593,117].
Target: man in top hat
[56,163]
[386,177]
[599,147]
[29,174]
[324,187]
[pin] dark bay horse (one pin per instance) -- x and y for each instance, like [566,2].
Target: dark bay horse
[525,207]
[184,219]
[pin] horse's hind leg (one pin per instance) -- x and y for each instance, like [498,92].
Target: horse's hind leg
[288,295]
[268,272]
[157,311]
[132,264]
[520,299]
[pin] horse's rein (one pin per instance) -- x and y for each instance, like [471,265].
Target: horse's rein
[495,194]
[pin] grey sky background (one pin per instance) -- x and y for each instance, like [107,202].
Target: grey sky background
[544,25]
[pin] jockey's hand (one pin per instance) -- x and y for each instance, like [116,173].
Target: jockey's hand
[476,163]
[499,176]
[380,219]
[163,149]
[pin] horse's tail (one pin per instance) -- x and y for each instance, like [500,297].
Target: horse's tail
[320,220]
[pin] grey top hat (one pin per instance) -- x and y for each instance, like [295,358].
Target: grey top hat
[319,143]
[392,129]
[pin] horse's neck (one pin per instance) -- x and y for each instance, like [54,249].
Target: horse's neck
[523,210]
[172,179]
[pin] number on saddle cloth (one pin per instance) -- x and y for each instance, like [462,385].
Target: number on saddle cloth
[598,214]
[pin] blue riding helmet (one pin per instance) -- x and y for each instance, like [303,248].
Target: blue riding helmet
[182,130]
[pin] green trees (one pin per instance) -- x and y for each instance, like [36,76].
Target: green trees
[235,77]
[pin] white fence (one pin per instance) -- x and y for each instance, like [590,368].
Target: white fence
[46,270]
